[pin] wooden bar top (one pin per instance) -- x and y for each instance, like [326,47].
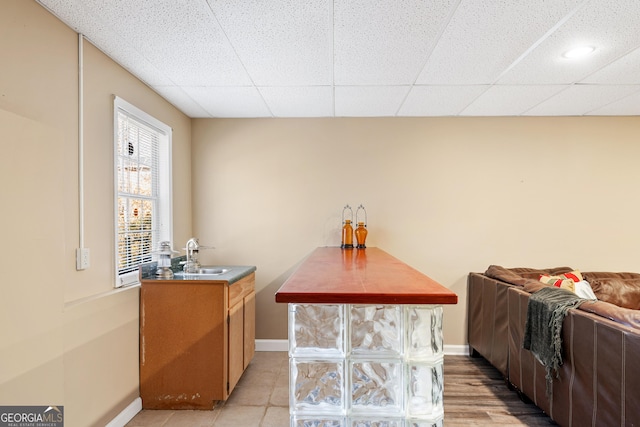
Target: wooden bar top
[360,276]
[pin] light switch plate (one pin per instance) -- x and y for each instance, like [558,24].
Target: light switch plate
[82,258]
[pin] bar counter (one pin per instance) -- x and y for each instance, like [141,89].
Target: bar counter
[365,341]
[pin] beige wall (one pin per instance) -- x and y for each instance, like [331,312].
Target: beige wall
[66,337]
[445,195]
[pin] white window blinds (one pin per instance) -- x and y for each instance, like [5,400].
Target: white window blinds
[139,168]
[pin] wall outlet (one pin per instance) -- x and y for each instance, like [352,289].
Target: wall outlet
[82,258]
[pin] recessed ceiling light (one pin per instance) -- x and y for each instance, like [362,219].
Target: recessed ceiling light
[579,52]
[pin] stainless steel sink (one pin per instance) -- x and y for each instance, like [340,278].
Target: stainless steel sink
[206,271]
[212,270]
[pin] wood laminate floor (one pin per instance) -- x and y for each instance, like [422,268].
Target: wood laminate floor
[475,394]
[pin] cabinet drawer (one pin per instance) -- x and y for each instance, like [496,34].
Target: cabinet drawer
[241,288]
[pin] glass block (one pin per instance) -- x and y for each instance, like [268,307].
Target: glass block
[376,330]
[316,330]
[376,422]
[317,422]
[438,422]
[377,387]
[425,390]
[424,332]
[317,386]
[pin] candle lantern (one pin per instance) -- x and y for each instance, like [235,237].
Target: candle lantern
[361,229]
[347,228]
[164,261]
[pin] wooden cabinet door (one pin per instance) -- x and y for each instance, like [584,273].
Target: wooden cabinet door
[249,328]
[236,344]
[181,331]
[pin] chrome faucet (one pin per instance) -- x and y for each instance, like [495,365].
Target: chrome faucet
[193,248]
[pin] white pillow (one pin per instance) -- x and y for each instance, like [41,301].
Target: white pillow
[583,290]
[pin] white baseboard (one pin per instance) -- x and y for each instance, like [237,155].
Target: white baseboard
[283,345]
[456,350]
[272,345]
[127,414]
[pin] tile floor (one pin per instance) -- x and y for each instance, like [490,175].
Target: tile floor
[261,399]
[475,395]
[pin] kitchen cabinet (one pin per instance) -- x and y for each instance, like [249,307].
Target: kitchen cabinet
[196,339]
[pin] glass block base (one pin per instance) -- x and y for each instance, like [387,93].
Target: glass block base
[318,421]
[366,365]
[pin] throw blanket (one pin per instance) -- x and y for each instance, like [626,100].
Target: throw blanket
[543,330]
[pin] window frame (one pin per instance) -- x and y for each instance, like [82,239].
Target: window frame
[164,176]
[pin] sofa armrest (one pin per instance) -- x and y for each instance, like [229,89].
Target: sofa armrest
[597,383]
[621,316]
[487,319]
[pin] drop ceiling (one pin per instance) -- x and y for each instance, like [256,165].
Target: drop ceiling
[372,58]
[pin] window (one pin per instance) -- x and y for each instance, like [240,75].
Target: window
[142,163]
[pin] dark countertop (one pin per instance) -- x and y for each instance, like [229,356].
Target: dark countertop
[235,273]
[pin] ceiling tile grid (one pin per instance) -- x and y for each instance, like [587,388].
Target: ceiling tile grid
[357,58]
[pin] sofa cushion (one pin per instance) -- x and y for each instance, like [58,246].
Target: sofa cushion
[583,290]
[610,275]
[520,276]
[621,289]
[565,281]
[623,292]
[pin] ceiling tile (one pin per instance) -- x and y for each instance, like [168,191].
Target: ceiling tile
[369,101]
[510,100]
[181,100]
[229,101]
[627,106]
[179,36]
[439,100]
[484,38]
[285,58]
[280,42]
[607,25]
[314,101]
[385,41]
[185,41]
[80,16]
[580,99]
[72,13]
[625,70]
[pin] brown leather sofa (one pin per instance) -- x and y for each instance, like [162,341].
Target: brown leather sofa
[598,383]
